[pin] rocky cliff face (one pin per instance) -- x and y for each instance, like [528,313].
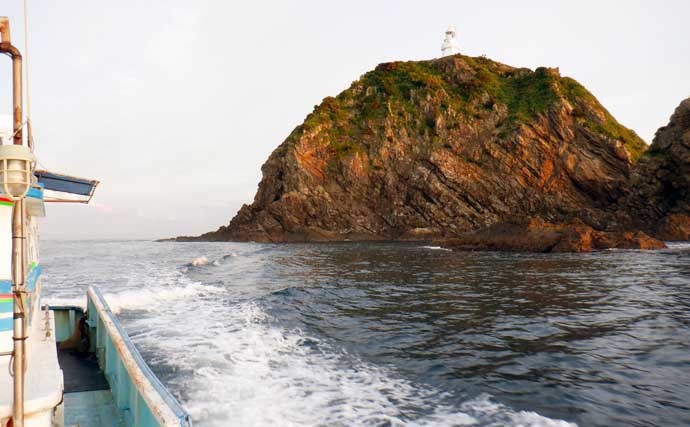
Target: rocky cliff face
[659,198]
[438,148]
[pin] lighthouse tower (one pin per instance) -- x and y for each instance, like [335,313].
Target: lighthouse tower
[450,45]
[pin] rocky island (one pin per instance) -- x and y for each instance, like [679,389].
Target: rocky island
[475,154]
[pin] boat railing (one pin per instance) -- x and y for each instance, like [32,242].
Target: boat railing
[136,389]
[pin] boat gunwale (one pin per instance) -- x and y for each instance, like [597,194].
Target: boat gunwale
[163,405]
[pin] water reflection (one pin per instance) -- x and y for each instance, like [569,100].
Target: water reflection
[600,339]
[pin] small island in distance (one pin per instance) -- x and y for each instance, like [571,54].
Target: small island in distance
[475,155]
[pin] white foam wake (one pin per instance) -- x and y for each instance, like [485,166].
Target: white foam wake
[202,260]
[233,366]
[151,295]
[240,370]
[153,299]
[678,245]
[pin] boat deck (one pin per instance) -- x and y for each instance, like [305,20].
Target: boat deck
[128,393]
[94,408]
[88,400]
[81,373]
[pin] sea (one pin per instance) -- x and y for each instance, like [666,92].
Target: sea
[397,334]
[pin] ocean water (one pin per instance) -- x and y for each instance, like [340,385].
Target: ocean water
[375,334]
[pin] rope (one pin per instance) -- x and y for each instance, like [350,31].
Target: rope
[20,128]
[31,139]
[22,309]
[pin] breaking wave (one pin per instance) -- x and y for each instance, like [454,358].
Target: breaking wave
[202,260]
[153,299]
[146,297]
[435,248]
[678,245]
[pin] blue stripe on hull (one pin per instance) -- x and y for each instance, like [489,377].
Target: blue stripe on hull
[31,279]
[6,307]
[6,324]
[6,288]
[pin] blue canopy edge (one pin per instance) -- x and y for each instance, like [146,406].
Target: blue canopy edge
[66,184]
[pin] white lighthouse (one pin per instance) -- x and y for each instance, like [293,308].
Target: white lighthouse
[450,45]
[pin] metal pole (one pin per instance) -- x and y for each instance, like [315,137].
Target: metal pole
[18,291]
[18,269]
[6,47]
[17,98]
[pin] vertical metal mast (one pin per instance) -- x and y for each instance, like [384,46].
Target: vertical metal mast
[18,276]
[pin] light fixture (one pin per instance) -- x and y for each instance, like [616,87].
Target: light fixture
[15,170]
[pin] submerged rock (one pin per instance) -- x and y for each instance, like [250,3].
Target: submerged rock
[537,235]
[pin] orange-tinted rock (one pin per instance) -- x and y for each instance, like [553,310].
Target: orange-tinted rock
[626,240]
[659,197]
[674,227]
[541,236]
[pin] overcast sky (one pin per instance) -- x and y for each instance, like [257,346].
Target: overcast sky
[174,105]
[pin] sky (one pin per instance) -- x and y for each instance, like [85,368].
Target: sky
[174,105]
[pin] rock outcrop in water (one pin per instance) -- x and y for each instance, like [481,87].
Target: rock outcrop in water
[440,148]
[537,235]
